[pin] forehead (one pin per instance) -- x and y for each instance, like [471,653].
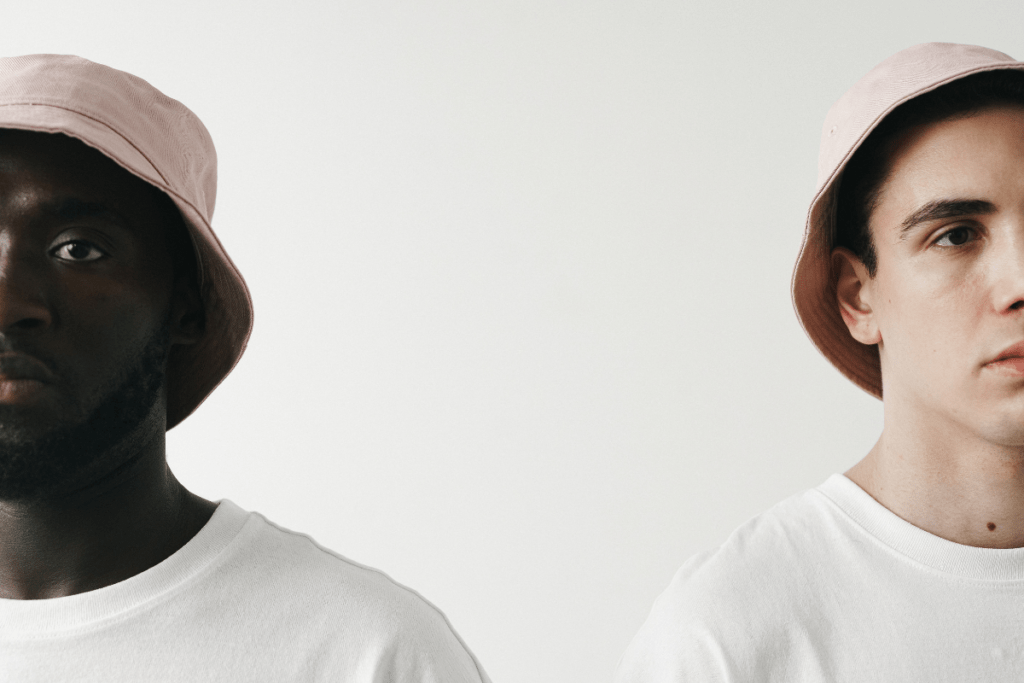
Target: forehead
[967,157]
[37,166]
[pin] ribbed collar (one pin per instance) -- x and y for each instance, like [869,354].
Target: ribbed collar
[965,561]
[30,619]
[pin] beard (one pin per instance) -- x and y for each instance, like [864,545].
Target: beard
[35,465]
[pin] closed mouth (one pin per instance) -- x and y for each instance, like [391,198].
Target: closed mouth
[16,366]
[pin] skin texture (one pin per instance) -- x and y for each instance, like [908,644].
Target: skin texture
[91,305]
[946,300]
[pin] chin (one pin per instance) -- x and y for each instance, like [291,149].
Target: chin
[40,459]
[1003,427]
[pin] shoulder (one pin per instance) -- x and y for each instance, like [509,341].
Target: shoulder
[312,590]
[724,606]
[293,560]
[763,563]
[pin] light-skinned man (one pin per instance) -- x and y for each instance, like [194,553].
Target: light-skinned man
[910,567]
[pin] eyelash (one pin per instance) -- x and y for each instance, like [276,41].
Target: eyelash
[973,233]
[56,251]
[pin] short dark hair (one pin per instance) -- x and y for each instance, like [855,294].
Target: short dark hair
[866,172]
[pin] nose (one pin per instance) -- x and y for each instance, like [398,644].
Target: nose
[23,305]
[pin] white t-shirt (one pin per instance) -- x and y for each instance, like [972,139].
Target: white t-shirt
[831,586]
[244,600]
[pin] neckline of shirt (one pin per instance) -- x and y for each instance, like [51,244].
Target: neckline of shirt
[26,619]
[948,557]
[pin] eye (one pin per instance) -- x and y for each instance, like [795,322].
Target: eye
[956,237]
[78,251]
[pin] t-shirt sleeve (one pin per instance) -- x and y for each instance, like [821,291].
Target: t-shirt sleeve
[338,621]
[670,653]
[426,649]
[676,644]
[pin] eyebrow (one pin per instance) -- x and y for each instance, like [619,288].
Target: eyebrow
[72,209]
[945,208]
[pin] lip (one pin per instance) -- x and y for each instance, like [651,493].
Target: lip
[17,366]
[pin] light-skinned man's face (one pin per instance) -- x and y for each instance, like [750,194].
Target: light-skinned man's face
[947,298]
[87,313]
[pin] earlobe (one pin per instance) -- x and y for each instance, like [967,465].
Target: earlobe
[853,293]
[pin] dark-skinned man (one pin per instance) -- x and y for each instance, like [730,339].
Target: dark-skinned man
[119,313]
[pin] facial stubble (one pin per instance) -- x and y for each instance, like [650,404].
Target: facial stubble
[32,468]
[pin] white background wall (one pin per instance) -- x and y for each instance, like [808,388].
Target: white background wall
[521,272]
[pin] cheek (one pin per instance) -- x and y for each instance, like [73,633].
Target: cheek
[929,319]
[107,318]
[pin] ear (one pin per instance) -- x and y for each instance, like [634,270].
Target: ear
[187,320]
[854,291]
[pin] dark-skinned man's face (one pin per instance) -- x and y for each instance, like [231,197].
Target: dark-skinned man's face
[89,307]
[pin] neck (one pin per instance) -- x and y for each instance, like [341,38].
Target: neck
[941,478]
[115,527]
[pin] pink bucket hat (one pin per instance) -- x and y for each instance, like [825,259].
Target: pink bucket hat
[899,78]
[161,141]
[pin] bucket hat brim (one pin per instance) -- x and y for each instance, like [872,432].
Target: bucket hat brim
[162,142]
[899,79]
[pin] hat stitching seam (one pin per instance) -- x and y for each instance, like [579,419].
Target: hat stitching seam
[828,188]
[1018,66]
[166,184]
[102,123]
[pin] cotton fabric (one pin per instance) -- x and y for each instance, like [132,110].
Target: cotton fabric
[161,141]
[243,601]
[829,585]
